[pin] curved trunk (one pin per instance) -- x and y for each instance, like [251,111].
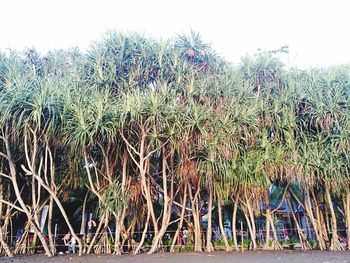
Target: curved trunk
[41,237]
[97,232]
[143,167]
[167,207]
[335,244]
[234,220]
[196,217]
[2,241]
[119,220]
[270,223]
[253,228]
[249,215]
[182,215]
[309,212]
[24,208]
[250,228]
[322,225]
[63,212]
[4,245]
[305,245]
[223,234]
[308,209]
[137,250]
[2,235]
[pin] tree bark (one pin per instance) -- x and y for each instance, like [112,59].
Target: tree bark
[137,250]
[303,239]
[182,215]
[24,208]
[223,234]
[234,220]
[347,216]
[210,229]
[196,217]
[308,209]
[4,245]
[49,227]
[335,244]
[167,207]
[63,212]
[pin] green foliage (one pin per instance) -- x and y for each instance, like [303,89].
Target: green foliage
[292,242]
[162,116]
[313,244]
[114,198]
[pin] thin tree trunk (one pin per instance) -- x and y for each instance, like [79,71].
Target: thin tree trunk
[118,218]
[63,212]
[308,209]
[24,208]
[275,244]
[270,223]
[335,244]
[4,245]
[49,227]
[142,165]
[196,218]
[3,224]
[303,239]
[118,248]
[137,250]
[167,207]
[347,217]
[83,217]
[223,234]
[248,213]
[234,220]
[95,235]
[267,237]
[210,229]
[182,215]
[251,232]
[322,228]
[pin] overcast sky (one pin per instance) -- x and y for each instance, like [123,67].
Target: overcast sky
[316,31]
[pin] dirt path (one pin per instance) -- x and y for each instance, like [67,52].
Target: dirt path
[221,257]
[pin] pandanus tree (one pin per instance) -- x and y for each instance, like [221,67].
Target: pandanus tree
[146,119]
[154,133]
[33,111]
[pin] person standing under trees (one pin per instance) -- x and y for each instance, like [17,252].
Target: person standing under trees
[180,237]
[184,235]
[286,235]
[72,244]
[91,226]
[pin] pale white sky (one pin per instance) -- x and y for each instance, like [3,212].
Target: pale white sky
[316,31]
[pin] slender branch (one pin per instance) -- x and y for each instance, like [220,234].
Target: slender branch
[128,144]
[282,199]
[156,149]
[6,176]
[12,205]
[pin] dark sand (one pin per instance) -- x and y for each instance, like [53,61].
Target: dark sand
[221,257]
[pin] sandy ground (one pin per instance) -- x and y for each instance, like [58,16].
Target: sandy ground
[221,257]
